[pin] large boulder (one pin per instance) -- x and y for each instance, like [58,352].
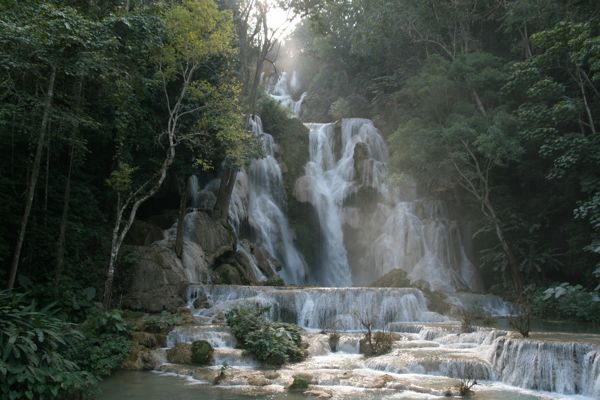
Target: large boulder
[156,280]
[228,274]
[214,237]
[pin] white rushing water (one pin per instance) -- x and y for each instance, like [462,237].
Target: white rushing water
[267,207]
[415,236]
[342,309]
[425,343]
[283,92]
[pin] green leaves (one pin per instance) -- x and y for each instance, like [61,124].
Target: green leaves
[273,343]
[33,345]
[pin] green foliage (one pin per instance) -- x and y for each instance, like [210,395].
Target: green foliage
[110,322]
[568,302]
[299,383]
[106,344]
[161,323]
[274,281]
[202,353]
[34,362]
[273,343]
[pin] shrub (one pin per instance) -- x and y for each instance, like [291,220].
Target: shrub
[273,343]
[300,383]
[202,352]
[161,323]
[106,344]
[334,340]
[274,281]
[465,386]
[34,346]
[376,344]
[566,301]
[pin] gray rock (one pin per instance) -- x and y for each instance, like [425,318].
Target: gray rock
[158,280]
[214,237]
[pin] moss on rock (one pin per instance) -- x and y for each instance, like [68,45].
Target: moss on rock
[202,352]
[180,354]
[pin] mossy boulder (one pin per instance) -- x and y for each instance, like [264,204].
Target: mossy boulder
[202,353]
[180,354]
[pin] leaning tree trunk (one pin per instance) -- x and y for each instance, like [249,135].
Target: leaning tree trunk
[221,209]
[33,178]
[122,224]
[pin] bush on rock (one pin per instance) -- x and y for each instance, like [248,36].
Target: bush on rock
[273,343]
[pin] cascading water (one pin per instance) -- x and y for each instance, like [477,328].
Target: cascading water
[282,92]
[345,309]
[327,190]
[266,205]
[428,247]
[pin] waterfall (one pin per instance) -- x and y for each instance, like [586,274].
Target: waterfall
[415,236]
[327,190]
[266,209]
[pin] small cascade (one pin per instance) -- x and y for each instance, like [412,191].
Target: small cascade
[563,367]
[344,309]
[282,92]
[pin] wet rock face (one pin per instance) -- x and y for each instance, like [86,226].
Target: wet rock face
[211,235]
[157,282]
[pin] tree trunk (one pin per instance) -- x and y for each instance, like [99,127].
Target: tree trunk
[181,219]
[512,262]
[60,251]
[221,209]
[264,51]
[35,171]
[585,102]
[60,248]
[46,179]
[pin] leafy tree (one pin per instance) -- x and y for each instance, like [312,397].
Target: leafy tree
[195,31]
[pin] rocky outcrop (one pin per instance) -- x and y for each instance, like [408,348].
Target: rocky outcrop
[157,279]
[214,237]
